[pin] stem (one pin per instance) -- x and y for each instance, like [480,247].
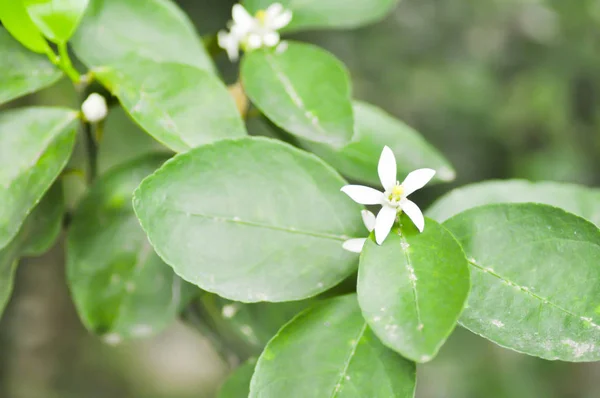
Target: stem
[64,63]
[92,152]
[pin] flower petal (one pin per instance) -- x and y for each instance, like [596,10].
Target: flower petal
[416,180]
[363,195]
[281,20]
[354,245]
[274,10]
[368,219]
[244,21]
[384,222]
[253,41]
[414,213]
[387,168]
[229,43]
[271,39]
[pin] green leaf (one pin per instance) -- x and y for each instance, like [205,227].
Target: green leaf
[328,14]
[56,19]
[374,129]
[237,384]
[38,233]
[15,19]
[21,71]
[250,219]
[112,30]
[329,351]
[534,273]
[304,90]
[121,288]
[179,105]
[413,287]
[248,327]
[577,199]
[35,145]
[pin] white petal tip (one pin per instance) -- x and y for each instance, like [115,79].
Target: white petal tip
[354,245]
[446,174]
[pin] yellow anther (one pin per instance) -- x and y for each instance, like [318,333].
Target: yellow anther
[396,193]
[261,16]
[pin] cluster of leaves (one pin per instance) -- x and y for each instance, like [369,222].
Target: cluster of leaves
[242,232]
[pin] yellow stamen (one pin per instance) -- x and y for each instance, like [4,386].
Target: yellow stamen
[396,193]
[261,16]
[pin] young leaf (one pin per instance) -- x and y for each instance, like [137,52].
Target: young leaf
[113,30]
[181,106]
[250,219]
[413,287]
[329,351]
[237,384]
[304,90]
[16,20]
[374,129]
[56,19]
[121,288]
[534,273]
[577,199]
[37,235]
[328,14]
[21,71]
[35,145]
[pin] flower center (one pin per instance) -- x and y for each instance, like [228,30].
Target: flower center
[261,16]
[396,193]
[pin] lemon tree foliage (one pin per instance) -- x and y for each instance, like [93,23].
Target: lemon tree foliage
[275,222]
[180,105]
[35,145]
[121,288]
[328,351]
[37,234]
[259,243]
[21,71]
[56,19]
[114,30]
[302,89]
[412,289]
[534,272]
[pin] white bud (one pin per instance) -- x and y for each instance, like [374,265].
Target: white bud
[94,108]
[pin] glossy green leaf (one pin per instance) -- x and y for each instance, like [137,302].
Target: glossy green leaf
[577,199]
[329,14]
[121,288]
[35,145]
[181,106]
[412,288]
[250,219]
[304,90]
[237,384]
[534,274]
[21,71]
[113,30]
[37,235]
[329,351]
[374,129]
[56,19]
[16,20]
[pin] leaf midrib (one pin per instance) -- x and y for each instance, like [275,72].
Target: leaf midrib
[528,292]
[351,354]
[255,224]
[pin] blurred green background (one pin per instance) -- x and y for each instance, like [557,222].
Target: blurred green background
[504,88]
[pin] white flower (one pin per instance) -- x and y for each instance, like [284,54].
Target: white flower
[94,108]
[356,245]
[250,33]
[394,198]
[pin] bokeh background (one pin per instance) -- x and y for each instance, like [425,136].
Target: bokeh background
[504,88]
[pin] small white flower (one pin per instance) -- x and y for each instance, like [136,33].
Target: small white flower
[394,198]
[94,108]
[252,32]
[356,245]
